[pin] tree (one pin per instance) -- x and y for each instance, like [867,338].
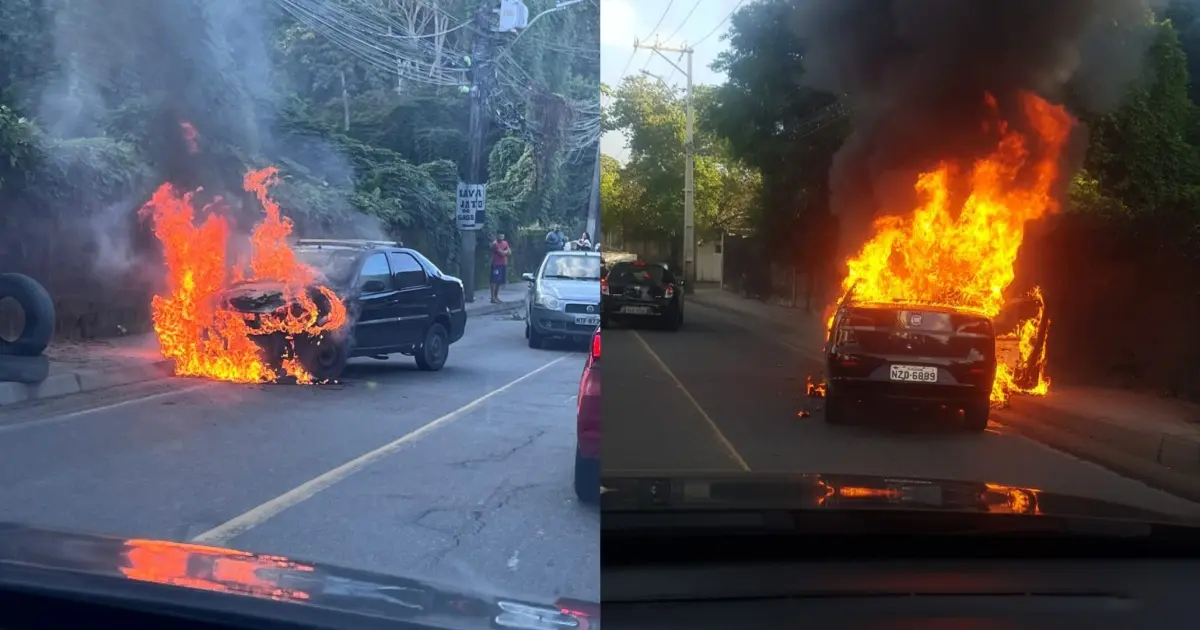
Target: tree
[770,122]
[653,117]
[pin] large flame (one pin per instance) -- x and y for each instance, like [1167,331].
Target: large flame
[963,255]
[195,327]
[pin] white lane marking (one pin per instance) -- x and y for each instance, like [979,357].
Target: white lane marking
[733,454]
[17,426]
[258,515]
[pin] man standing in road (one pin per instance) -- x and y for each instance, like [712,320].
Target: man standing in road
[500,254]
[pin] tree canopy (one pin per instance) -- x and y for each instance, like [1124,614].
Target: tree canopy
[92,99]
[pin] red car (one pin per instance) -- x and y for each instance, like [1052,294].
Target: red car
[587,428]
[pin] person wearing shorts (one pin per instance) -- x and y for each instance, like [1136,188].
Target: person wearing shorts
[500,254]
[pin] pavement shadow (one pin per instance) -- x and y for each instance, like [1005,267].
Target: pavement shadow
[923,420]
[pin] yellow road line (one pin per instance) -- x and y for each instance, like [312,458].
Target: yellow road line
[733,454]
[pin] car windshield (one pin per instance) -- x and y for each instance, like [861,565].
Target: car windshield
[561,266]
[226,338]
[1017,302]
[337,265]
[630,273]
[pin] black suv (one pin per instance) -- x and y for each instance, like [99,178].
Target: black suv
[396,299]
[910,354]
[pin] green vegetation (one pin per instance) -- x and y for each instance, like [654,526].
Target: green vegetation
[352,139]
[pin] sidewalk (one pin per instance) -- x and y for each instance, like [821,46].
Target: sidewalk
[77,367]
[1153,438]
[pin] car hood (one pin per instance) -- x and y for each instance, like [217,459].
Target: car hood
[269,579]
[266,296]
[573,290]
[759,491]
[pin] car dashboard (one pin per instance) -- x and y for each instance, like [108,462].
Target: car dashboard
[959,595]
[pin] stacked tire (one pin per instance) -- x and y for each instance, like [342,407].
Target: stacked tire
[21,358]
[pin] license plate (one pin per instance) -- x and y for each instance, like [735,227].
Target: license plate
[587,320]
[914,373]
[635,310]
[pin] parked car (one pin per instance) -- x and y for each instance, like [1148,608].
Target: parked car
[398,301]
[637,291]
[564,297]
[897,353]
[587,428]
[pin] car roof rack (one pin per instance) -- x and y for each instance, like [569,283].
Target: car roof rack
[359,243]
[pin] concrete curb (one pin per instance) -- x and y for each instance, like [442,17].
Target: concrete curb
[1161,449]
[1118,458]
[80,381]
[492,309]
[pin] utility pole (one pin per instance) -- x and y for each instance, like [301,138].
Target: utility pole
[689,210]
[593,216]
[477,175]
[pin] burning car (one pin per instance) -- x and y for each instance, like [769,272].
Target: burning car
[395,301]
[929,353]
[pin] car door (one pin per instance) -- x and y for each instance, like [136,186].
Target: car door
[378,321]
[417,297]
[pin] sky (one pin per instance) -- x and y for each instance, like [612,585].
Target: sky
[622,21]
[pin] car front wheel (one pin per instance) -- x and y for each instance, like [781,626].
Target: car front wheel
[323,357]
[432,354]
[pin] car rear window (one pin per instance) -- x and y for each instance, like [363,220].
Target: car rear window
[629,273]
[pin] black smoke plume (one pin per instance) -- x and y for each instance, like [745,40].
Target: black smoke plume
[914,73]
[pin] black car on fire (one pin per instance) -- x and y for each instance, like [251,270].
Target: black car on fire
[398,301]
[910,354]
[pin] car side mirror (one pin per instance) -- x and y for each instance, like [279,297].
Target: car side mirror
[373,286]
[528,277]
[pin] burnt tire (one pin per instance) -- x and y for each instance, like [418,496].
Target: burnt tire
[35,301]
[323,357]
[975,416]
[835,409]
[434,350]
[587,480]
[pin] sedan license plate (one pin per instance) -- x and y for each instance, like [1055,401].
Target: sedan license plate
[635,310]
[914,373]
[587,320]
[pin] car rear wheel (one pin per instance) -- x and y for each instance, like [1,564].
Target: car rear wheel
[976,416]
[835,409]
[323,357]
[587,480]
[432,354]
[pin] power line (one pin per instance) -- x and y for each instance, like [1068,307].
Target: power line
[652,31]
[722,23]
[685,20]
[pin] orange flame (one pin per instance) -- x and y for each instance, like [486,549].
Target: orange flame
[195,327]
[963,257]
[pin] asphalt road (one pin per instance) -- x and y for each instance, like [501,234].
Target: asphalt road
[725,394]
[480,495]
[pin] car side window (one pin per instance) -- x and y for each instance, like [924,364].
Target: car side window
[376,268]
[409,272]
